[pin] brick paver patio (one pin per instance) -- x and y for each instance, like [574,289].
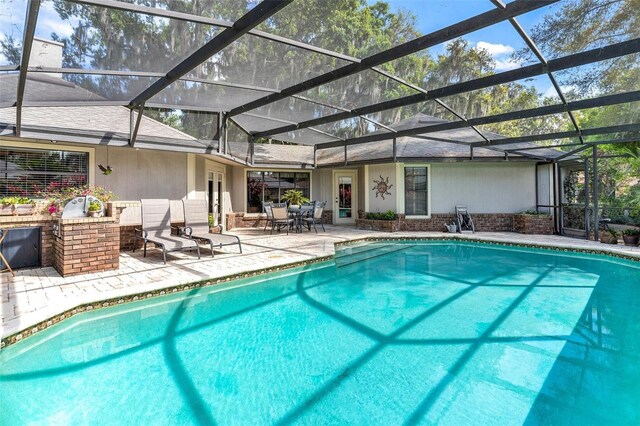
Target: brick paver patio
[35,295]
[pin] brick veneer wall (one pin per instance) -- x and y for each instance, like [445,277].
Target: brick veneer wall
[45,222]
[533,224]
[484,222]
[87,245]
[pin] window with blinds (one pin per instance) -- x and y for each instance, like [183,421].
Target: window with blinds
[28,172]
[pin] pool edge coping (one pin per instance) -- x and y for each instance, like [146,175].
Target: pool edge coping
[31,330]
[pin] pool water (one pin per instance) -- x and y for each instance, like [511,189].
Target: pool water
[388,333]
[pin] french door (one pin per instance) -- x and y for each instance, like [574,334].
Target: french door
[345,197]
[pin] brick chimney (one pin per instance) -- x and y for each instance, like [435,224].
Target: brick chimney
[46,54]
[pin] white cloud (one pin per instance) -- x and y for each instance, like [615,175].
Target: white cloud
[495,49]
[501,54]
[507,64]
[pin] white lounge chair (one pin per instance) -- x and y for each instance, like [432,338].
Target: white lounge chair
[196,221]
[156,228]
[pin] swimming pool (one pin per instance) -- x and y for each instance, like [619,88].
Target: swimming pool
[388,333]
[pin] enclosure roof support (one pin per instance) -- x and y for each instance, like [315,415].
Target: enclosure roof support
[251,19]
[559,64]
[27,42]
[135,127]
[515,115]
[187,17]
[459,29]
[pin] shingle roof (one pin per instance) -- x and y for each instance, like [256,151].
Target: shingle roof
[452,144]
[107,119]
[110,124]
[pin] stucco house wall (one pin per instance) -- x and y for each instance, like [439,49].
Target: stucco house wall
[142,173]
[483,187]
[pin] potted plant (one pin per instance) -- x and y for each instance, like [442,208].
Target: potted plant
[6,206]
[294,197]
[631,236]
[24,206]
[609,236]
[17,206]
[95,208]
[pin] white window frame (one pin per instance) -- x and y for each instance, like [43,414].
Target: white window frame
[400,194]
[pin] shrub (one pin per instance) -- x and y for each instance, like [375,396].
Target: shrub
[388,215]
[631,232]
[534,212]
[16,200]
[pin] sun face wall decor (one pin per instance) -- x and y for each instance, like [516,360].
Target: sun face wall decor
[382,187]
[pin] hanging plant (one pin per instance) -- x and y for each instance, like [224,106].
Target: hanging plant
[105,170]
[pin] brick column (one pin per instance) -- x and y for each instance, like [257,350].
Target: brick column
[87,245]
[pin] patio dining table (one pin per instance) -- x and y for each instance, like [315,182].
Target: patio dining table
[297,213]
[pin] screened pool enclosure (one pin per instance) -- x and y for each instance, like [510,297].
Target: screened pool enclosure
[244,71]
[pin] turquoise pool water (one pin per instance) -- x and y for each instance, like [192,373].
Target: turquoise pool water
[388,333]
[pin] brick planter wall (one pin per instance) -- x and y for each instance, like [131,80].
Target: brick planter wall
[127,233]
[259,220]
[484,222]
[45,222]
[87,245]
[533,224]
[378,225]
[126,238]
[246,220]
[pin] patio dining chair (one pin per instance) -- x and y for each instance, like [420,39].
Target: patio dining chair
[316,217]
[306,209]
[156,229]
[266,206]
[281,218]
[196,226]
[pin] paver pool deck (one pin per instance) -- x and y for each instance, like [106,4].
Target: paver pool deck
[35,295]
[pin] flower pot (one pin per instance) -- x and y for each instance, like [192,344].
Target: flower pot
[24,209]
[95,214]
[631,240]
[6,209]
